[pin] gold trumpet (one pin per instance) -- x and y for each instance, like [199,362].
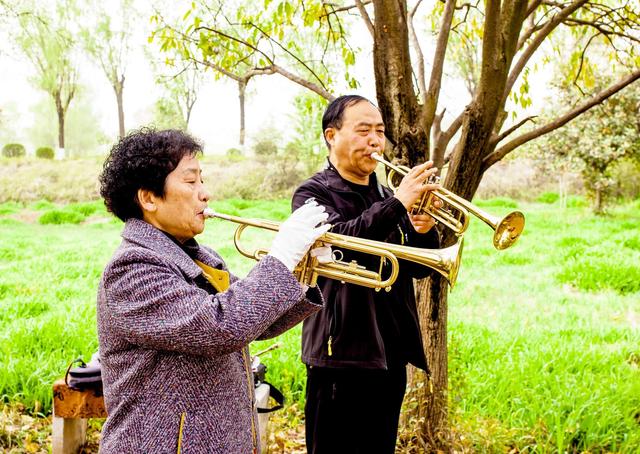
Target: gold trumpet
[445,261]
[454,213]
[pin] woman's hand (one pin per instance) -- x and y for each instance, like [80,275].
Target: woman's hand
[298,233]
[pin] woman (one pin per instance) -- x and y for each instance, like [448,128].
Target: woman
[173,338]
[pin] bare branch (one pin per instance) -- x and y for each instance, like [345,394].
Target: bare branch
[501,152]
[537,41]
[365,16]
[431,96]
[343,8]
[303,82]
[509,131]
[422,85]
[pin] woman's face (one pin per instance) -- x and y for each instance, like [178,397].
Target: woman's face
[179,212]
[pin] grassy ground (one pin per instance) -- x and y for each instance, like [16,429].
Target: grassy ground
[544,337]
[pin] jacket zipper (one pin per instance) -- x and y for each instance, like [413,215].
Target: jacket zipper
[183,416]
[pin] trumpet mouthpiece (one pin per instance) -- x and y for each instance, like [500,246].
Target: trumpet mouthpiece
[209,213]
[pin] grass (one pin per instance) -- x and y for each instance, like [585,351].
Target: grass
[544,337]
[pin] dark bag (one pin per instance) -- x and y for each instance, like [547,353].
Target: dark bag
[85,376]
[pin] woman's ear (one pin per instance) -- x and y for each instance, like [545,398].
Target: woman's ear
[147,200]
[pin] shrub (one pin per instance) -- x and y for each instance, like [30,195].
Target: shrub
[13,150]
[234,152]
[265,147]
[548,197]
[576,201]
[61,217]
[86,208]
[44,153]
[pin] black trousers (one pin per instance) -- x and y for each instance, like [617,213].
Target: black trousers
[353,411]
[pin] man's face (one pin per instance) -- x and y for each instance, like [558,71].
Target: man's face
[361,134]
[179,212]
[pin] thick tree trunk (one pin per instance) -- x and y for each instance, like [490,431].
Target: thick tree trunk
[394,85]
[432,396]
[405,130]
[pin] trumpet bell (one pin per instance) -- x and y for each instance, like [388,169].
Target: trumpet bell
[508,230]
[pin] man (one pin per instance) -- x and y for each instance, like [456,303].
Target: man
[356,349]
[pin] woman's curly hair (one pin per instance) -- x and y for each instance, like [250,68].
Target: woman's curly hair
[142,160]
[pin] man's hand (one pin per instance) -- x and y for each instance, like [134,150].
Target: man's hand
[413,184]
[422,223]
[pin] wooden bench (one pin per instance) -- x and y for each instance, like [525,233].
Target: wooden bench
[72,409]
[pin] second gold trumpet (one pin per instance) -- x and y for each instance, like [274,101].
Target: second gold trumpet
[454,213]
[445,261]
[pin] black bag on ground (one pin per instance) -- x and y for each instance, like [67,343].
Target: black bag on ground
[85,376]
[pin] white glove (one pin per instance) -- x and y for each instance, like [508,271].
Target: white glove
[298,233]
[324,254]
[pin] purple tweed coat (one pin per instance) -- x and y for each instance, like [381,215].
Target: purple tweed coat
[175,361]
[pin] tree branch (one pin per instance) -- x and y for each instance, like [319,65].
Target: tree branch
[422,85]
[365,16]
[303,82]
[501,152]
[537,41]
[431,96]
[509,131]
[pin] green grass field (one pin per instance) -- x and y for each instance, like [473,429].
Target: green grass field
[544,337]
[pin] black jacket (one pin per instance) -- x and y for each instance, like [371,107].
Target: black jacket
[359,327]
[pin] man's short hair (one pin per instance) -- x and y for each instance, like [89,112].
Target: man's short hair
[334,113]
[142,160]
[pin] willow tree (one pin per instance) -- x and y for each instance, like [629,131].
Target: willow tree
[46,40]
[496,43]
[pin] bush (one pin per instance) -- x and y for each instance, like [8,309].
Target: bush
[265,147]
[44,153]
[13,150]
[61,217]
[234,152]
[576,201]
[548,197]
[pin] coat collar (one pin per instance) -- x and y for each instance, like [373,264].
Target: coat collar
[334,180]
[144,234]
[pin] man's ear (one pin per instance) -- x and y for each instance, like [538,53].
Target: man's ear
[329,135]
[147,200]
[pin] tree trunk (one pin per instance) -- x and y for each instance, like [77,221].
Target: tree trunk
[242,86]
[119,89]
[60,111]
[431,295]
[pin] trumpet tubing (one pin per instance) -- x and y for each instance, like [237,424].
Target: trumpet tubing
[444,261]
[455,210]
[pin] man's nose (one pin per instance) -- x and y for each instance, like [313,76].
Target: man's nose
[204,195]
[374,140]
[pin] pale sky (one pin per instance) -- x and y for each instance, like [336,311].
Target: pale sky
[215,118]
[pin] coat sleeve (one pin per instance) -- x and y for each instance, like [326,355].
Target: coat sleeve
[375,223]
[295,315]
[150,304]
